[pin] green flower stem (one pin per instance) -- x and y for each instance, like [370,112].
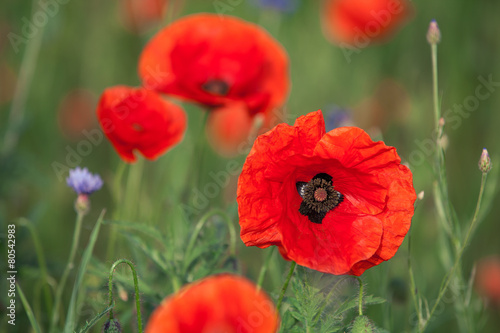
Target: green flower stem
[449,276]
[360,304]
[413,286]
[437,113]
[194,175]
[201,223]
[327,298]
[26,73]
[27,310]
[128,201]
[136,286]
[45,278]
[133,190]
[440,163]
[263,269]
[285,285]
[117,192]
[70,265]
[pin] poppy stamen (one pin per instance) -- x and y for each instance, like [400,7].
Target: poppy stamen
[216,87]
[319,197]
[320,194]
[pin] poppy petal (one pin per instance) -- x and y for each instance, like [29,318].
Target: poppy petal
[139,119]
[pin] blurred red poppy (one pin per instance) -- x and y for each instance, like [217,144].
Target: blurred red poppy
[140,15]
[337,202]
[358,23]
[488,279]
[220,63]
[8,81]
[76,113]
[139,119]
[221,303]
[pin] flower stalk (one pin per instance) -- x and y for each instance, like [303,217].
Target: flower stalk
[69,266]
[360,300]
[285,285]
[450,275]
[136,287]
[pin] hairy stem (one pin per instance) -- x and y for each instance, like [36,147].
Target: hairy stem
[67,270]
[285,285]
[136,287]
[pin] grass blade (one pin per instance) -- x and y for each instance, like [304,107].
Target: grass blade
[29,311]
[87,254]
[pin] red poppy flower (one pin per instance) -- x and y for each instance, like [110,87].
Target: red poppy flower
[138,15]
[488,279]
[222,303]
[76,113]
[357,23]
[336,202]
[139,119]
[218,62]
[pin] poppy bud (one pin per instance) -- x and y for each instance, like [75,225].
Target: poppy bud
[112,326]
[420,195]
[487,280]
[485,162]
[433,34]
[362,325]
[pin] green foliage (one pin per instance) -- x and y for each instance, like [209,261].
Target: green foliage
[320,302]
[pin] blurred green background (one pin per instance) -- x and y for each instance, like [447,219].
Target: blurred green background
[86,46]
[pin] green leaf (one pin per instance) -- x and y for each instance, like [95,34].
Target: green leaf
[353,303]
[94,320]
[28,310]
[87,254]
[142,228]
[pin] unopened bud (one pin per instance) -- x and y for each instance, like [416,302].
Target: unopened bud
[485,162]
[441,122]
[433,34]
[112,326]
[444,142]
[82,204]
[362,325]
[420,195]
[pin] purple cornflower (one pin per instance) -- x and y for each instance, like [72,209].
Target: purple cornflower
[83,182]
[286,6]
[337,117]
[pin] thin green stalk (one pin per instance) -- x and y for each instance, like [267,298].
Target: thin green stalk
[94,320]
[439,156]
[117,192]
[18,106]
[263,269]
[193,175]
[285,285]
[449,276]
[27,309]
[46,280]
[201,223]
[70,265]
[437,113]
[72,314]
[327,298]
[128,202]
[413,286]
[360,300]
[133,190]
[136,287]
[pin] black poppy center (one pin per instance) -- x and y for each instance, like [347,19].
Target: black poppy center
[318,197]
[216,87]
